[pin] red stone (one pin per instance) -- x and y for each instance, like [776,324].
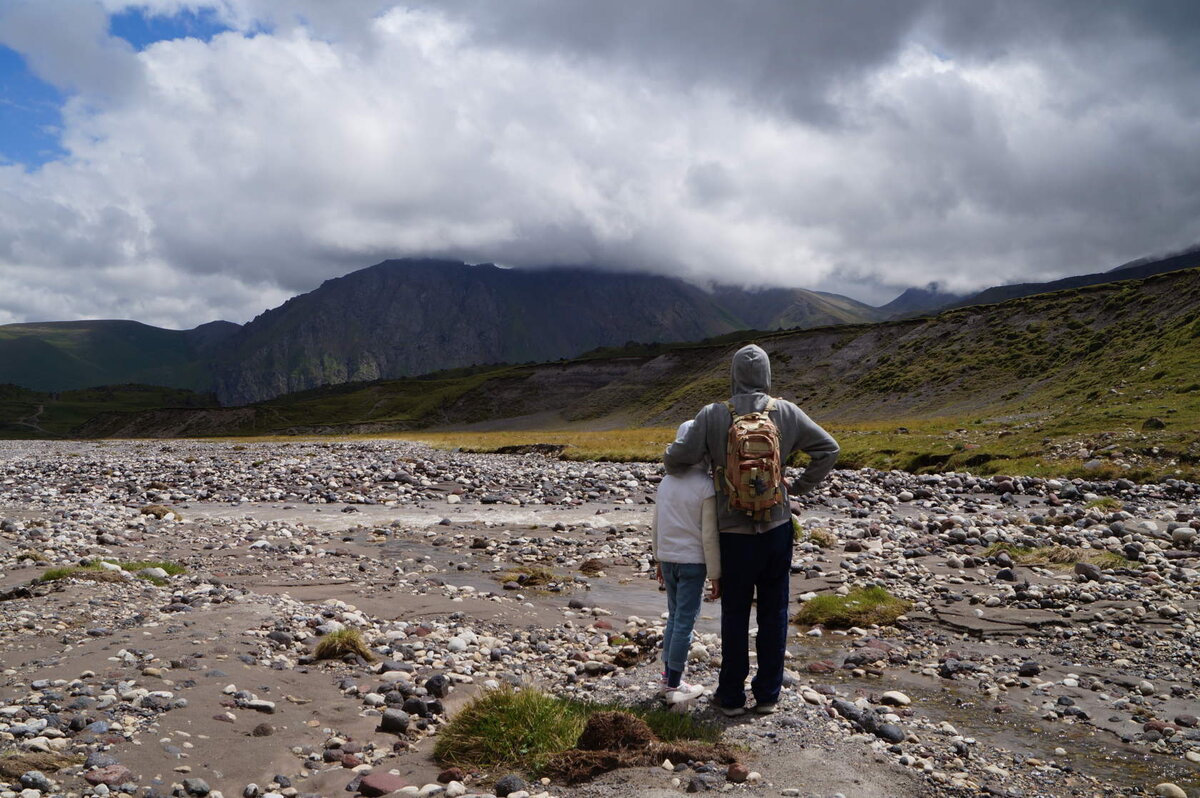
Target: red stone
[824,666]
[350,761]
[109,776]
[451,774]
[737,773]
[380,782]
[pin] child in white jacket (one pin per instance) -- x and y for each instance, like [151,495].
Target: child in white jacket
[686,549]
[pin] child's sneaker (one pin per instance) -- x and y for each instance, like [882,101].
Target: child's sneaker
[764,708]
[684,692]
[731,712]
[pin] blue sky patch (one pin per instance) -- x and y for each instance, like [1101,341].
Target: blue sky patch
[141,29]
[31,109]
[30,118]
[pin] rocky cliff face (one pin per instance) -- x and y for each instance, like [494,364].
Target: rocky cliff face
[403,318]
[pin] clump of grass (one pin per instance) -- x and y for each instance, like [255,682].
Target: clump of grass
[336,645]
[818,536]
[1106,559]
[97,573]
[509,729]
[1042,555]
[529,576]
[1105,503]
[675,726]
[821,538]
[591,567]
[13,765]
[54,574]
[506,728]
[160,511]
[172,568]
[92,572]
[32,556]
[862,607]
[1056,556]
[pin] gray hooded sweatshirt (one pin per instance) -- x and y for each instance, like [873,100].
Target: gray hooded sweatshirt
[751,375]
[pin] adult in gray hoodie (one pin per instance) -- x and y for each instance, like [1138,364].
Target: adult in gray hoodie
[756,556]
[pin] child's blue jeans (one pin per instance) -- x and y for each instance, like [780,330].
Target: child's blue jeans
[685,588]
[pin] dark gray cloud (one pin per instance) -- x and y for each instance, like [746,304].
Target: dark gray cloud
[780,55]
[861,147]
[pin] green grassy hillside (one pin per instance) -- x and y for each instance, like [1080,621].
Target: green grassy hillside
[60,356]
[34,414]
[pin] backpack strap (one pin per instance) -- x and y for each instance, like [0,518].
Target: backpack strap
[720,472]
[771,403]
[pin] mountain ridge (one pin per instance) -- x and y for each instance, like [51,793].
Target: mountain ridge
[1136,269]
[1053,359]
[404,318]
[412,316]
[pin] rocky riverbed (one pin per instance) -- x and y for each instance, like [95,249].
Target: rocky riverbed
[1050,647]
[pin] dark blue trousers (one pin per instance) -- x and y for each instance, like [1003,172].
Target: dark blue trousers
[750,564]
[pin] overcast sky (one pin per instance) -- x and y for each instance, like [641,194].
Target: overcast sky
[176,162]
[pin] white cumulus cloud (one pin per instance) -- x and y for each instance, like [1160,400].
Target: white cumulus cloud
[789,144]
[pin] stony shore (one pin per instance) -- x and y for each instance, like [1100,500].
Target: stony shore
[1062,665]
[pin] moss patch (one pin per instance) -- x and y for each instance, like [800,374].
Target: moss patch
[863,607]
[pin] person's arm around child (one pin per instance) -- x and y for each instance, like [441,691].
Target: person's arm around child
[712,546]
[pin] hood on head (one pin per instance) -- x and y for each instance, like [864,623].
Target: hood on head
[751,370]
[680,434]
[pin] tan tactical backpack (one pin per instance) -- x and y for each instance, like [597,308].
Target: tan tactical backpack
[753,472]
